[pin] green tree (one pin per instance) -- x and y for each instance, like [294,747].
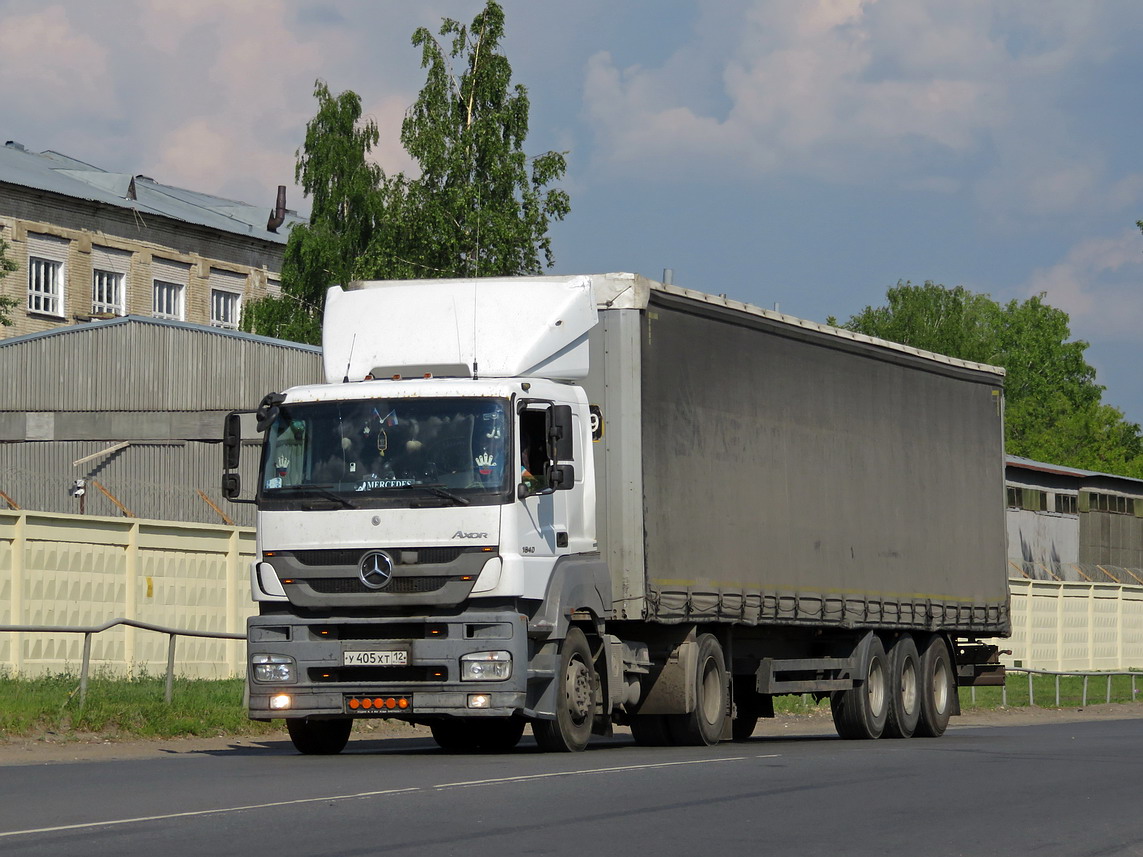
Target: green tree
[478,205]
[333,169]
[7,304]
[1054,409]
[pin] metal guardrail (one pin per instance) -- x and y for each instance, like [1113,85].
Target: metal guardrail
[89,632]
[1067,674]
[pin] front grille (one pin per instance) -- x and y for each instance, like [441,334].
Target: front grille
[352,556]
[384,631]
[354,586]
[378,676]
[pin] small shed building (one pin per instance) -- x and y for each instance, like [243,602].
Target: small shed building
[124,416]
[1074,525]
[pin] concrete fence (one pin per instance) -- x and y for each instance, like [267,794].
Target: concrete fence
[83,570]
[1068,626]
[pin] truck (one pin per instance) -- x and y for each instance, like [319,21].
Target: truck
[572,503]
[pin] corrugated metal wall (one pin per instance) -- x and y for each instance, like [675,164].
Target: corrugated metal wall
[135,370]
[158,481]
[147,365]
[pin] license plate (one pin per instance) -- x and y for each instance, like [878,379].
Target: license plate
[375,659]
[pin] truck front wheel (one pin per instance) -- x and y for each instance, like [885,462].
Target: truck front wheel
[570,731]
[319,737]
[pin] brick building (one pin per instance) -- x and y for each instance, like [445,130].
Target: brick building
[94,244]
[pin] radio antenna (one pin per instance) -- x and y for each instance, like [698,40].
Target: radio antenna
[349,361]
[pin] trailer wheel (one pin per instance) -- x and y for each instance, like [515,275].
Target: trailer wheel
[861,712]
[319,737]
[651,730]
[905,689]
[938,684]
[704,725]
[464,735]
[570,731]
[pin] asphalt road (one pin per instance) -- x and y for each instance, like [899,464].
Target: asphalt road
[1054,789]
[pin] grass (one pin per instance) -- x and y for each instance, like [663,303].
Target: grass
[1043,691]
[1014,695]
[134,708]
[118,708]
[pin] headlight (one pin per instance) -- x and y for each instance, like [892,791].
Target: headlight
[273,668]
[486,666]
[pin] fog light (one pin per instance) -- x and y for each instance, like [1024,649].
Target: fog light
[479,700]
[486,666]
[280,702]
[273,668]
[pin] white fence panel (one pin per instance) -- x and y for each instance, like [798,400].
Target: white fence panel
[83,570]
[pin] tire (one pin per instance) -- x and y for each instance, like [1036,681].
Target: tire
[704,726]
[938,685]
[651,730]
[904,689]
[319,737]
[861,712]
[466,735]
[576,687]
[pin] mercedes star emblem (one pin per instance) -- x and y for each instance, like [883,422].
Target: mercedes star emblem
[376,569]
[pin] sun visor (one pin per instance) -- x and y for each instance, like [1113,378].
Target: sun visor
[507,328]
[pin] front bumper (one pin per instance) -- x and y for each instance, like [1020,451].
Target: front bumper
[429,681]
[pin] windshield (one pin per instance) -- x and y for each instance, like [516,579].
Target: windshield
[386,452]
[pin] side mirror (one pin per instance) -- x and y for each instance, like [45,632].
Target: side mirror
[231,486]
[268,410]
[559,428]
[231,441]
[561,477]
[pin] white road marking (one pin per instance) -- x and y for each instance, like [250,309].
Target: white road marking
[219,811]
[327,798]
[588,771]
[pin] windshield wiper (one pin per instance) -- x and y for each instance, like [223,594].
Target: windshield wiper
[323,492]
[440,491]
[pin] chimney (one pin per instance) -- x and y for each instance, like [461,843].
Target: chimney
[278,215]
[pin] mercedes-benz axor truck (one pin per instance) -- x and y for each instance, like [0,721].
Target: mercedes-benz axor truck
[575,502]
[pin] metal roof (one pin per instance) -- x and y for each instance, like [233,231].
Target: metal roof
[87,327]
[146,364]
[1061,470]
[60,174]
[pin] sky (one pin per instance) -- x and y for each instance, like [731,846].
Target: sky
[807,154]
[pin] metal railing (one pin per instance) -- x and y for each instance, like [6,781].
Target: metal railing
[88,632]
[1086,676]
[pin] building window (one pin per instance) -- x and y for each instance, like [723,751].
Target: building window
[168,300]
[1029,499]
[224,308]
[1112,503]
[45,286]
[1066,504]
[106,293]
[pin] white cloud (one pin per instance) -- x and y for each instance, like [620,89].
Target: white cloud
[899,93]
[47,63]
[1099,283]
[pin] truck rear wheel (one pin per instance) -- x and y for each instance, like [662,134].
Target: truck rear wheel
[570,731]
[937,689]
[466,734]
[905,689]
[704,725]
[319,737]
[862,711]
